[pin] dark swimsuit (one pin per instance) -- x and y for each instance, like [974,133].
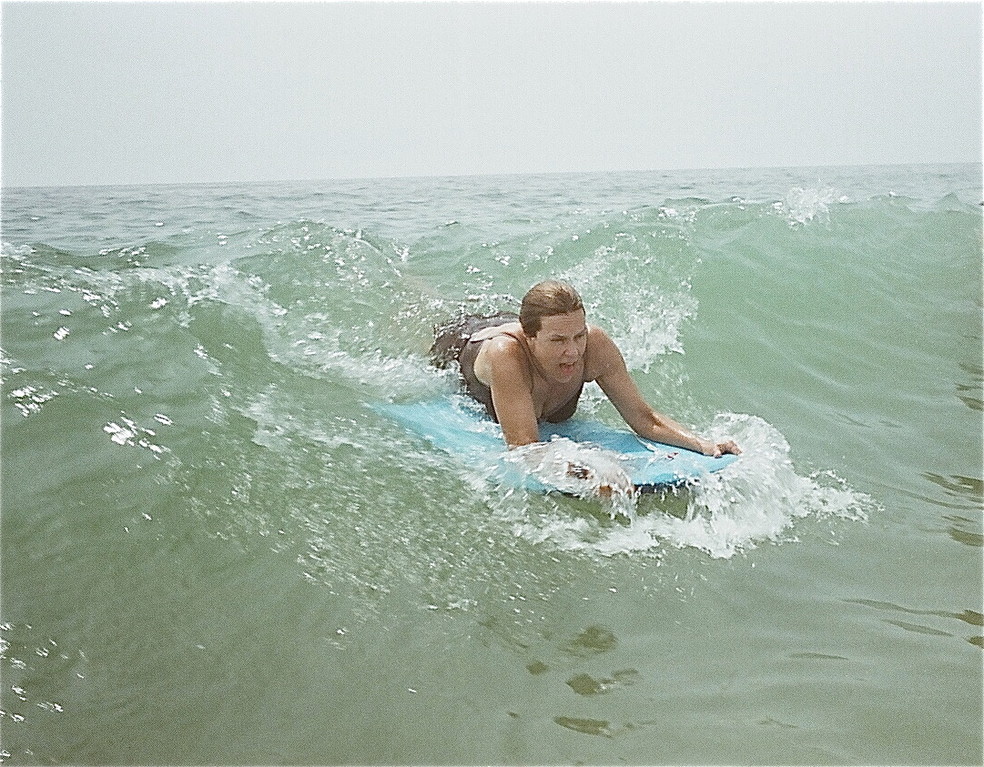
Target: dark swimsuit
[453,343]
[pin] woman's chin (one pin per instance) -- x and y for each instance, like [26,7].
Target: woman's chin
[566,372]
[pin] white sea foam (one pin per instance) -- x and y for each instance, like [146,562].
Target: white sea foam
[647,320]
[803,205]
[578,470]
[756,500]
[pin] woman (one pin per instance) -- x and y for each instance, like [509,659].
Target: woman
[533,367]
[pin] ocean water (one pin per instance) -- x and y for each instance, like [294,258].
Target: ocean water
[214,551]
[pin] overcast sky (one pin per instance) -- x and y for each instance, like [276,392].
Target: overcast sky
[108,93]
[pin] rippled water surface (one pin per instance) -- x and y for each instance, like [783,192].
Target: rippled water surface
[215,550]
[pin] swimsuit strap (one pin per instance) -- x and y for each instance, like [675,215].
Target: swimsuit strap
[528,351]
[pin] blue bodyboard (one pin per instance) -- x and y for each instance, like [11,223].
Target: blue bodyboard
[460,427]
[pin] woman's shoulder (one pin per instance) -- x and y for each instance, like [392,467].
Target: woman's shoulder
[599,341]
[503,353]
[507,330]
[600,353]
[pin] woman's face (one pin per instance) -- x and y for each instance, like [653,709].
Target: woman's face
[559,346]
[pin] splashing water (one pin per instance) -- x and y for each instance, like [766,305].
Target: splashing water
[577,470]
[755,500]
[804,205]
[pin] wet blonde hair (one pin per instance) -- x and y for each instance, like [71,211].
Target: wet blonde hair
[545,299]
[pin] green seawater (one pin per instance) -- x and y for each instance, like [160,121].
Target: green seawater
[213,551]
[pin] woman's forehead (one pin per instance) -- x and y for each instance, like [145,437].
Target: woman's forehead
[568,324]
